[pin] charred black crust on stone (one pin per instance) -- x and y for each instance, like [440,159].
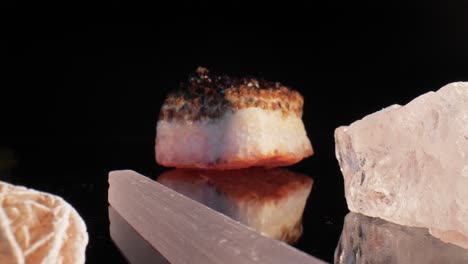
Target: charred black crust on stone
[209,96]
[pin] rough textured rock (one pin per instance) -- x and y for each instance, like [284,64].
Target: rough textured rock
[372,240]
[221,122]
[37,227]
[409,164]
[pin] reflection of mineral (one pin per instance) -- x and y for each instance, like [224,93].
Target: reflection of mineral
[219,122]
[372,240]
[269,200]
[409,164]
[37,227]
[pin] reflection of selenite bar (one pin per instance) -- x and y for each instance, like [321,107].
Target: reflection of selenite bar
[184,231]
[133,246]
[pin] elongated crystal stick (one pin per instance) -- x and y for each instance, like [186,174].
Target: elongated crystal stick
[185,231]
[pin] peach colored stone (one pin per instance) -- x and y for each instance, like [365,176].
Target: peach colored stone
[37,227]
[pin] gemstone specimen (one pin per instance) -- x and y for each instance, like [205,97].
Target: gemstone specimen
[220,122]
[409,164]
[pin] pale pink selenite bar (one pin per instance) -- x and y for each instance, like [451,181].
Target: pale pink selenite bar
[185,231]
[135,248]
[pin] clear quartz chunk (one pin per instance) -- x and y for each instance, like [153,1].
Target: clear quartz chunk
[372,240]
[409,164]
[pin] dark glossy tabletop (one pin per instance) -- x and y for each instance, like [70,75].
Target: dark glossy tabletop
[83,99]
[78,178]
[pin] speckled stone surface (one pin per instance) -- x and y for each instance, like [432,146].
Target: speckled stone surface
[208,96]
[221,122]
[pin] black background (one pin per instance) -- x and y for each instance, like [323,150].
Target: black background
[80,99]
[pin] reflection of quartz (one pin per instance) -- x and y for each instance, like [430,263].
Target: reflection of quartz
[373,240]
[270,201]
[135,248]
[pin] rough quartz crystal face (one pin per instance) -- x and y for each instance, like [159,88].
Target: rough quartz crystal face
[372,240]
[409,164]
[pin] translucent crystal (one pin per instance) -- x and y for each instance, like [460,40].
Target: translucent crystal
[409,164]
[135,248]
[185,231]
[373,240]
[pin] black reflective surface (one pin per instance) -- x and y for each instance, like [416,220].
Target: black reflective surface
[373,240]
[81,99]
[85,187]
